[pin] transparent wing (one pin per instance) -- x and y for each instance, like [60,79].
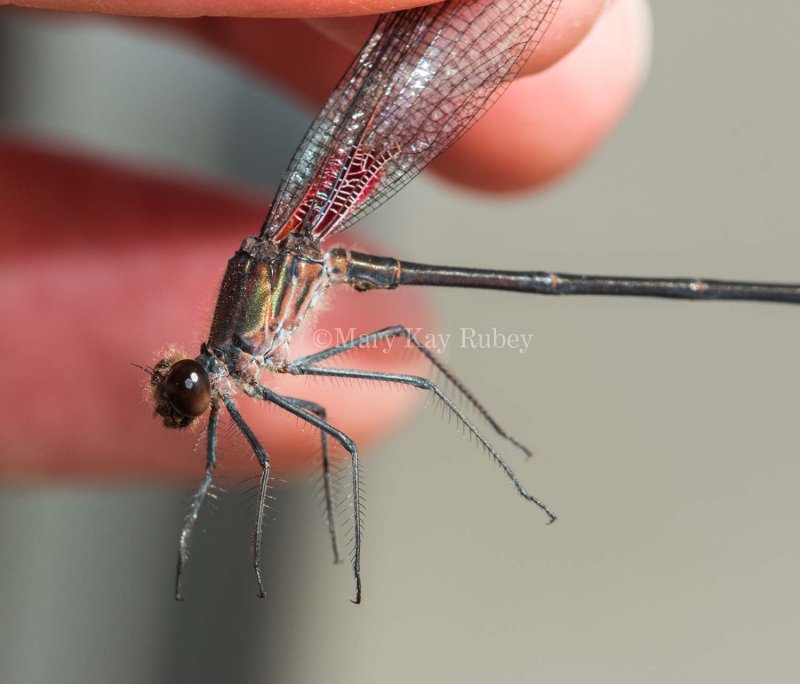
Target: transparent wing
[422,79]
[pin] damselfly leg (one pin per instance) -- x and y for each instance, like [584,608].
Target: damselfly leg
[263,459]
[370,339]
[290,405]
[306,410]
[197,501]
[330,517]
[307,366]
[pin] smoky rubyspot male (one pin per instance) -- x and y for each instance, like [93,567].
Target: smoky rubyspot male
[422,79]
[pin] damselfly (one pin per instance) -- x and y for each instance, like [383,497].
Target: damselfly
[421,80]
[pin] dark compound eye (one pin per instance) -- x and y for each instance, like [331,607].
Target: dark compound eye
[187,388]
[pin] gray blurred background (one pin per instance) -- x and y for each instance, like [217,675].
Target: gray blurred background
[665,432]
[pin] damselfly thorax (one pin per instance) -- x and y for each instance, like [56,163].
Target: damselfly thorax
[265,295]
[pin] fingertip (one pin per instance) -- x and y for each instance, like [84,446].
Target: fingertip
[571,23]
[223,8]
[563,29]
[547,124]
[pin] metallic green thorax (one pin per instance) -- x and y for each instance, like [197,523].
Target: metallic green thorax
[264,296]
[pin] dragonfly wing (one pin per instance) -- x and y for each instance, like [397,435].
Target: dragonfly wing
[422,79]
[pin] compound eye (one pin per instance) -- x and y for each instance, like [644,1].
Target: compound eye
[187,388]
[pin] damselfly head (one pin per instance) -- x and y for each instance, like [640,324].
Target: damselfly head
[181,390]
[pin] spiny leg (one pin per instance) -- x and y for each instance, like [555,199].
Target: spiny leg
[287,405]
[425,384]
[263,459]
[197,500]
[319,411]
[402,331]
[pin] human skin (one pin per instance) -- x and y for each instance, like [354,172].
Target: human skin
[102,265]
